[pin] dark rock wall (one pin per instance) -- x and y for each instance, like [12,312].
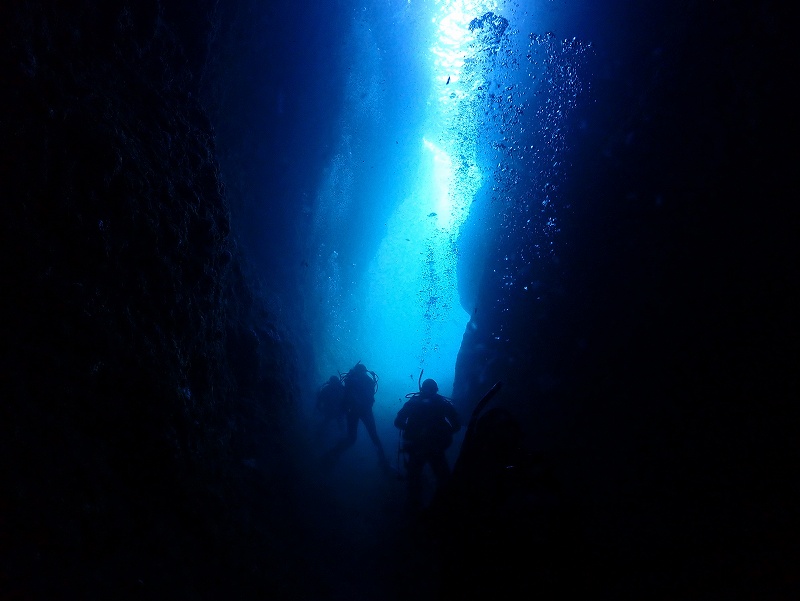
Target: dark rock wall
[654,368]
[140,369]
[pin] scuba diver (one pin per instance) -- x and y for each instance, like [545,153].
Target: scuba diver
[427,422]
[360,386]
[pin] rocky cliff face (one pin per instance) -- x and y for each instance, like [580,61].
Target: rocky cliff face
[139,367]
[651,365]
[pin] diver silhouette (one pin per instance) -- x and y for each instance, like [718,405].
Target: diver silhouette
[427,422]
[360,386]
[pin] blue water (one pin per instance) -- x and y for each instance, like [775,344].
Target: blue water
[442,144]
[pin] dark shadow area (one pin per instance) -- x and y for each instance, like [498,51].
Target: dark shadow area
[653,371]
[148,394]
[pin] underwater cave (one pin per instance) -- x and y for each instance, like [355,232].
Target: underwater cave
[572,216]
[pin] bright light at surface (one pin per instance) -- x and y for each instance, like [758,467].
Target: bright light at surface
[399,309]
[452,46]
[446,111]
[419,254]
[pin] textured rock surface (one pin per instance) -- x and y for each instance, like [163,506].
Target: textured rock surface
[139,368]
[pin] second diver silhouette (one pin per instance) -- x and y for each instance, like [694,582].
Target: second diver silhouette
[427,422]
[360,386]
